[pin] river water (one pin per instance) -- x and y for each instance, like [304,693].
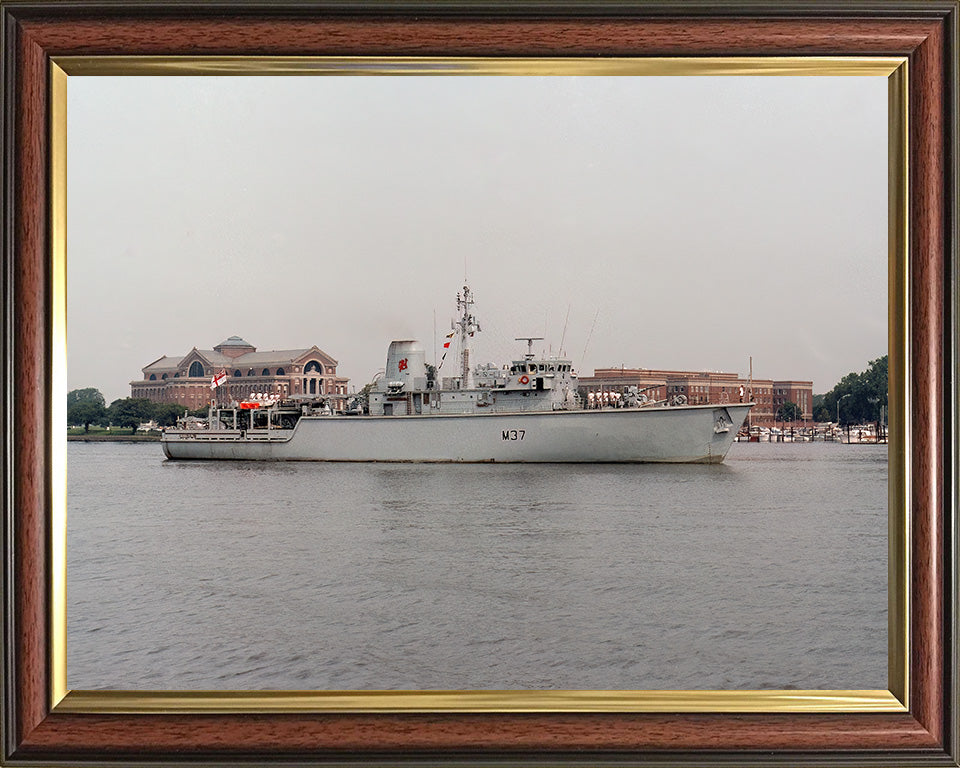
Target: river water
[768,571]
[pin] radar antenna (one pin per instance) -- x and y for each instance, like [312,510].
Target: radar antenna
[529,340]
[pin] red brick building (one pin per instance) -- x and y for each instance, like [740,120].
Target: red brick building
[798,392]
[764,411]
[186,380]
[706,387]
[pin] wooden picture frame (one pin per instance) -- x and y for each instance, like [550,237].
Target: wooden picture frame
[36,730]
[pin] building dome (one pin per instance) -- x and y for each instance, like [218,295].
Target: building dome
[234,341]
[234,347]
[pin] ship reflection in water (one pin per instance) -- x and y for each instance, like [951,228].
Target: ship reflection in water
[766,571]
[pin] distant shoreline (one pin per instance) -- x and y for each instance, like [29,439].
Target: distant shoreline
[113,438]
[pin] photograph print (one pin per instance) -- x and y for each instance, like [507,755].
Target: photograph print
[477,383]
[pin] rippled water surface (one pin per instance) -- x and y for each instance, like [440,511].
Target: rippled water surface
[768,571]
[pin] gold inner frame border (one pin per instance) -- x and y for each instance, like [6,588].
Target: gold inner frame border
[895,699]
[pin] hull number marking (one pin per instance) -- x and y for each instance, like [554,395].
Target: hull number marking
[513,434]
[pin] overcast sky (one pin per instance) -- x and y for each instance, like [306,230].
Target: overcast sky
[683,222]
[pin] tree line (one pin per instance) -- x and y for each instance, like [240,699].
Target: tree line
[860,396]
[86,407]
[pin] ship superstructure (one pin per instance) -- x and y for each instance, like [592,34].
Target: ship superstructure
[532,384]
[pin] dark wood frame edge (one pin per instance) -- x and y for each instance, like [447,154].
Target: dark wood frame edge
[31,734]
[473,9]
[7,137]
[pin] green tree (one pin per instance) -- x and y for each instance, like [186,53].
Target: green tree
[130,411]
[820,411]
[861,394]
[874,379]
[166,414]
[86,412]
[789,411]
[88,395]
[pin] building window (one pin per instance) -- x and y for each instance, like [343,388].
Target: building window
[196,369]
[250,372]
[164,377]
[313,365]
[237,373]
[265,372]
[280,372]
[153,377]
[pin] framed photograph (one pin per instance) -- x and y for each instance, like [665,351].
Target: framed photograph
[513,96]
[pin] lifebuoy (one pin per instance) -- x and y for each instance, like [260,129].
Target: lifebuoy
[524,380]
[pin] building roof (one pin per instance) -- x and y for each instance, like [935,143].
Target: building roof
[214,357]
[235,341]
[165,363]
[271,357]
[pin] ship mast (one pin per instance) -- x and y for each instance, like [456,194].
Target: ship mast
[467,325]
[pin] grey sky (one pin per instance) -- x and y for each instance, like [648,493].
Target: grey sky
[700,220]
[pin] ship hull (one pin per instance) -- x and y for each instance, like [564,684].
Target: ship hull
[683,434]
